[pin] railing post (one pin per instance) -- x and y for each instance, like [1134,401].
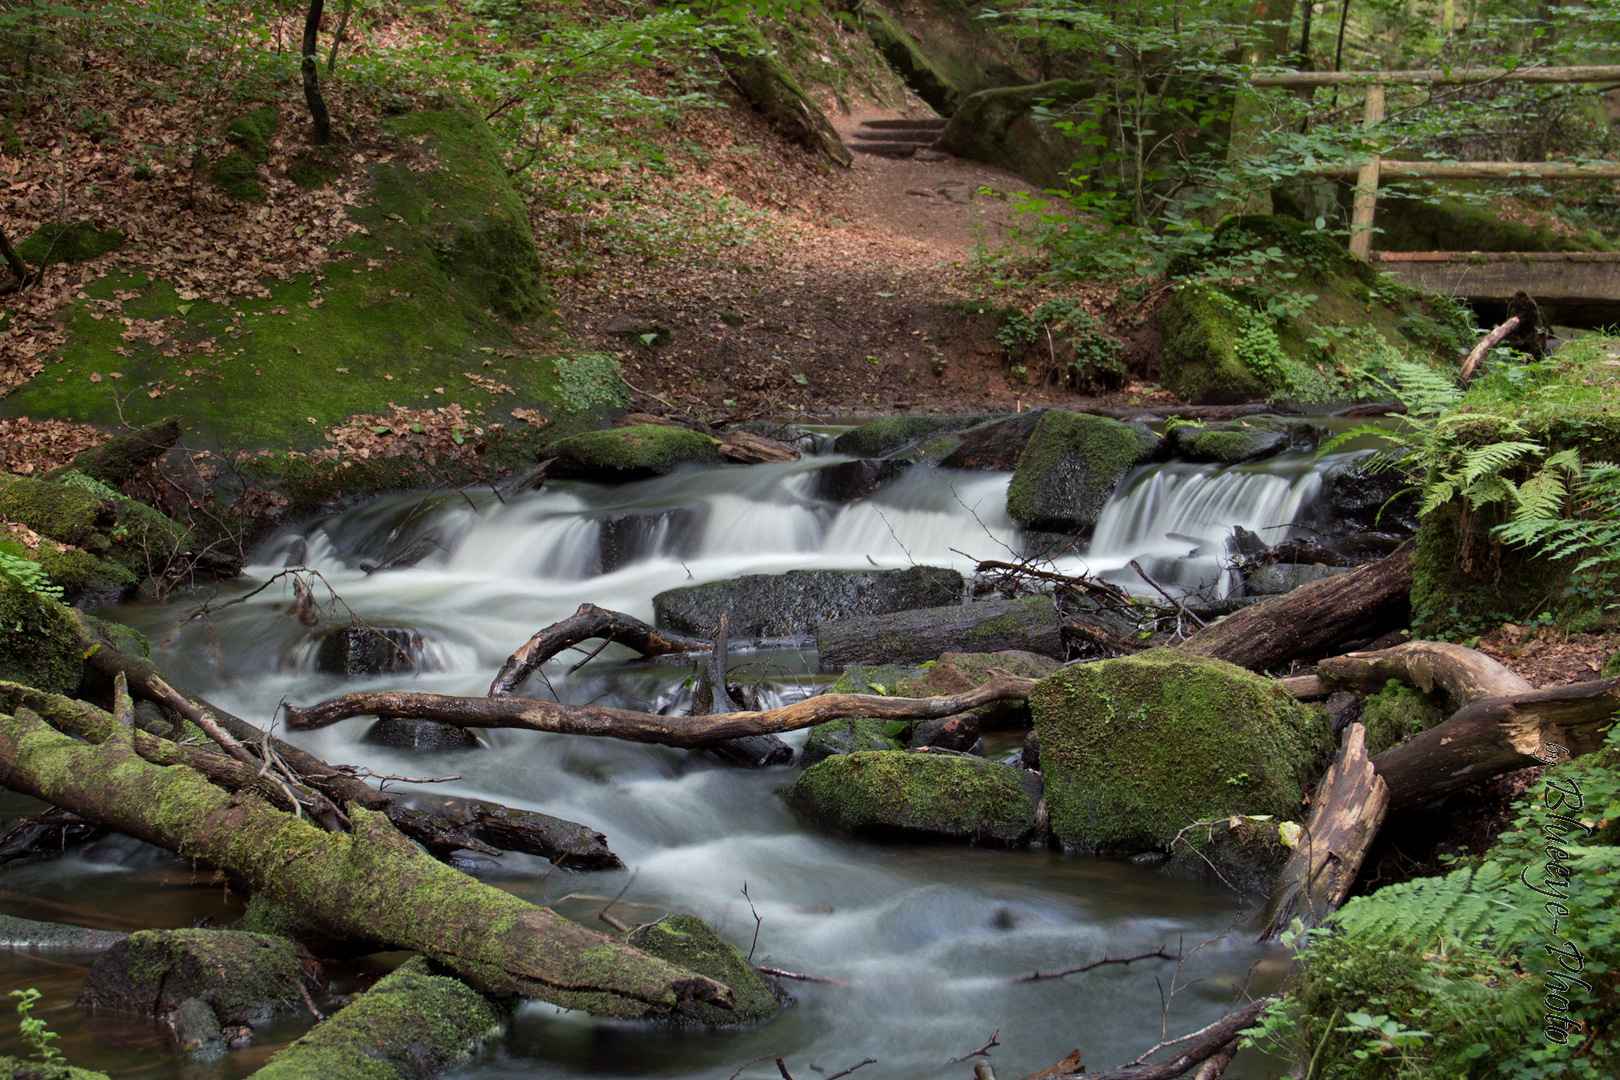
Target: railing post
[1361,220]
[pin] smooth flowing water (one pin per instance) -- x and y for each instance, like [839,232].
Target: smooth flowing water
[922,940]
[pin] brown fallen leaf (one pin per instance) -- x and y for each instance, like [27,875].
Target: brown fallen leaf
[95,376]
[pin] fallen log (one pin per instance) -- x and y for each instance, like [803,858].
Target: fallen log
[588,622]
[1311,620]
[1205,1043]
[684,732]
[116,460]
[572,847]
[1029,624]
[1486,344]
[1346,814]
[373,884]
[1463,674]
[1496,735]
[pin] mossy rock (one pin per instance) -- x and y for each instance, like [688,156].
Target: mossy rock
[244,978]
[909,61]
[238,177]
[688,942]
[880,438]
[850,736]
[1231,442]
[14,1068]
[88,515]
[628,453]
[82,576]
[1435,222]
[1220,345]
[1611,667]
[1396,713]
[1135,749]
[67,242]
[1000,128]
[126,639]
[40,644]
[945,796]
[782,605]
[1070,467]
[253,131]
[413,1023]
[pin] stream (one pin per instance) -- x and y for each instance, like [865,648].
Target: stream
[923,939]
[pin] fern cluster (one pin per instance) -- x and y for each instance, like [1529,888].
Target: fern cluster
[28,576]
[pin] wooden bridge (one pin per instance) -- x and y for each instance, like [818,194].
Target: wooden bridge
[1564,281]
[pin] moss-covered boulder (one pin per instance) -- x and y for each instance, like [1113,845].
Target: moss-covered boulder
[759,73]
[851,736]
[689,942]
[1223,340]
[1134,750]
[243,978]
[84,578]
[628,453]
[783,605]
[39,640]
[86,514]
[1002,128]
[67,242]
[1231,442]
[14,1068]
[1431,221]
[945,49]
[948,796]
[413,1023]
[238,177]
[1070,467]
[909,61]
[252,132]
[880,438]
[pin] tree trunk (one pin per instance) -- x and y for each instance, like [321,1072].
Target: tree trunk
[1346,814]
[1311,620]
[588,622]
[1496,735]
[337,37]
[319,117]
[372,885]
[915,637]
[685,732]
[1463,674]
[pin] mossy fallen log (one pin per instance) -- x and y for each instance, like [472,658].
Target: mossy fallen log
[116,460]
[372,884]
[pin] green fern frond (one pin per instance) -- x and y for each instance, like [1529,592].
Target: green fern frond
[1438,494]
[1425,391]
[1492,489]
[1466,907]
[1544,495]
[1494,458]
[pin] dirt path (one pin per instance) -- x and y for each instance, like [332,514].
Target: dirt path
[870,303]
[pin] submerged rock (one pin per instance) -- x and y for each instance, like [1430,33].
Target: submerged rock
[920,793]
[243,978]
[851,480]
[883,437]
[1135,749]
[402,733]
[689,942]
[784,605]
[640,534]
[368,650]
[1070,467]
[628,453]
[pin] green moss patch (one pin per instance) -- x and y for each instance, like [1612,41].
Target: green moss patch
[253,132]
[939,795]
[689,942]
[238,177]
[242,977]
[1230,442]
[1435,222]
[629,452]
[1395,713]
[883,437]
[39,641]
[1070,467]
[67,242]
[13,1068]
[852,736]
[1135,749]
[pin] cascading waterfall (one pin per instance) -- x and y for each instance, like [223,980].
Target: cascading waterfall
[922,938]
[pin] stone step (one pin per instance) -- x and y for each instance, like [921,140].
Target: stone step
[886,149]
[904,125]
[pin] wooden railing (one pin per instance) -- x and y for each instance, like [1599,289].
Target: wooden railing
[1369,172]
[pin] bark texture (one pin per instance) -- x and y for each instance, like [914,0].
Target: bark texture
[588,622]
[319,117]
[1464,675]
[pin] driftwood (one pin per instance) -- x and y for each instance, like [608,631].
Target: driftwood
[1486,344]
[588,622]
[1348,809]
[1496,735]
[373,885]
[1311,620]
[685,732]
[1465,675]
[341,791]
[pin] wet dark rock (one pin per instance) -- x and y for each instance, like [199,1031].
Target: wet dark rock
[1070,468]
[641,534]
[1366,547]
[784,605]
[419,549]
[959,672]
[846,737]
[994,445]
[1030,755]
[1368,494]
[368,650]
[1029,624]
[959,732]
[408,734]
[18,933]
[920,793]
[242,977]
[1343,709]
[883,437]
[1279,578]
[689,942]
[197,1029]
[851,480]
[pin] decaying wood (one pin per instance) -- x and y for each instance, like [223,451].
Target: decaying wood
[116,460]
[588,622]
[1349,807]
[1496,735]
[446,824]
[342,791]
[685,732]
[1304,687]
[373,884]
[1308,622]
[1486,344]
[1465,675]
[747,448]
